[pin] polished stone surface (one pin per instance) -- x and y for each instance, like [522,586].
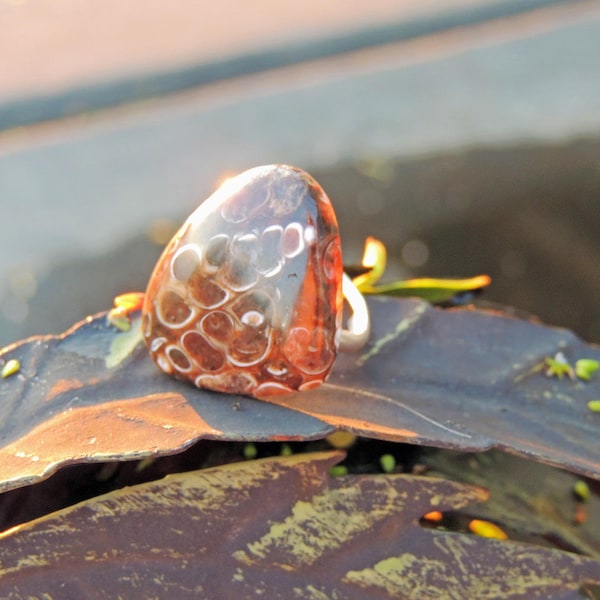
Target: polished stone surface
[247,296]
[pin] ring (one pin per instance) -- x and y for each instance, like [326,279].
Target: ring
[359,324]
[248,296]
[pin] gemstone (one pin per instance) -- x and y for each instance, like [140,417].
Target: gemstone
[247,296]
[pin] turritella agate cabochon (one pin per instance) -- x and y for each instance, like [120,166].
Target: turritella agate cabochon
[247,296]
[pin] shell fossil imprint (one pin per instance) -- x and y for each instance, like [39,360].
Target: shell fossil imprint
[247,296]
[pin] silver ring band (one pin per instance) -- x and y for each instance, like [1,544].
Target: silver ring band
[359,325]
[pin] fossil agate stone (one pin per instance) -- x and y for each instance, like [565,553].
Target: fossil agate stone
[247,296]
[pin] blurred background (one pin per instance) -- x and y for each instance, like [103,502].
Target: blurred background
[464,134]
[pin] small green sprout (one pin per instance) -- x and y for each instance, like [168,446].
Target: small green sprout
[387,463]
[286,450]
[430,289]
[250,451]
[586,367]
[581,490]
[338,471]
[594,406]
[11,367]
[145,463]
[559,366]
[119,318]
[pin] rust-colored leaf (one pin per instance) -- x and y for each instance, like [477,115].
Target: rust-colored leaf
[276,528]
[462,379]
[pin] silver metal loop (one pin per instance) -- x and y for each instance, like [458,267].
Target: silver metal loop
[359,324]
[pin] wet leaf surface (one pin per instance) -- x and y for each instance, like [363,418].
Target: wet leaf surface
[277,527]
[460,379]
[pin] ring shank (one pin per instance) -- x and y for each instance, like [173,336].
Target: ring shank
[359,326]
